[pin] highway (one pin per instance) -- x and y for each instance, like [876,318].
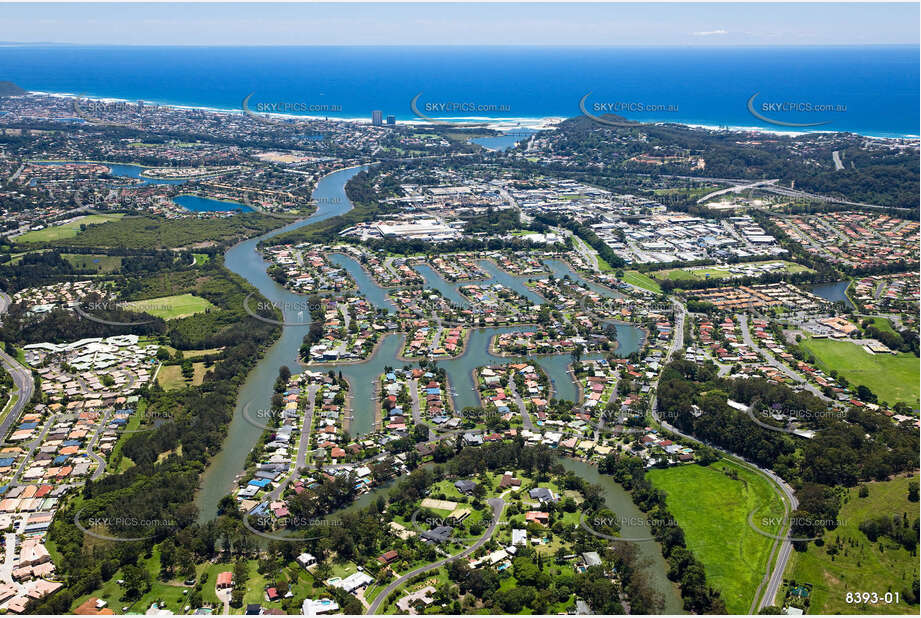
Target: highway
[22,379]
[737,189]
[773,188]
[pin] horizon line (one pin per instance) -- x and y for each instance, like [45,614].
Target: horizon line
[455,45]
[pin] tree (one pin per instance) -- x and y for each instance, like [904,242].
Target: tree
[136,581]
[284,373]
[167,558]
[195,600]
[865,394]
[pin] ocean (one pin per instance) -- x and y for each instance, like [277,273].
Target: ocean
[872,90]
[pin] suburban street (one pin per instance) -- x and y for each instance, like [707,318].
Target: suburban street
[303,444]
[526,421]
[100,462]
[784,369]
[772,578]
[497,505]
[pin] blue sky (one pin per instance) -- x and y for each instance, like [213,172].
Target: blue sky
[713,24]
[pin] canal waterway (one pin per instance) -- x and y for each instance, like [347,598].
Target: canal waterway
[245,260]
[633,525]
[375,294]
[256,391]
[834,292]
[193,203]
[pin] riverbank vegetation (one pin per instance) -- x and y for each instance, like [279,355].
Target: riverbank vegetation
[685,568]
[541,578]
[168,458]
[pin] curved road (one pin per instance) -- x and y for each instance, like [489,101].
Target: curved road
[772,578]
[784,369]
[497,505]
[91,453]
[22,378]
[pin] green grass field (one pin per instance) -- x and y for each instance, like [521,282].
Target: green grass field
[712,509]
[171,307]
[66,230]
[640,280]
[892,377]
[882,324]
[170,376]
[860,566]
[193,353]
[716,272]
[97,262]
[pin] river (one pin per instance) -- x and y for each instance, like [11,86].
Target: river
[618,500]
[245,260]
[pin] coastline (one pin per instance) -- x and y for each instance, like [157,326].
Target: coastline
[496,123]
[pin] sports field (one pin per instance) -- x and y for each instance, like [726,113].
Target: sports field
[640,280]
[171,307]
[66,230]
[712,508]
[721,272]
[892,377]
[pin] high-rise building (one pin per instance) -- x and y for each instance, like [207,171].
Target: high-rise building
[391,119]
[376,117]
